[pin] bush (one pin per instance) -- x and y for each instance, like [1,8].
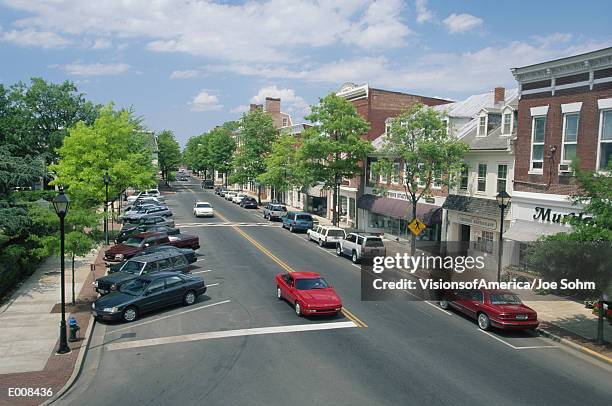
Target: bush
[17,261]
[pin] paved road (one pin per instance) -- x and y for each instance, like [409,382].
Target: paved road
[258,352]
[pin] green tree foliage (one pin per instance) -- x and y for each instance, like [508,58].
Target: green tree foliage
[18,170]
[332,148]
[419,139]
[282,165]
[113,143]
[169,154]
[220,149]
[257,133]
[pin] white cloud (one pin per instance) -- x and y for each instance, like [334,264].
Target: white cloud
[461,22]
[423,14]
[101,43]
[240,109]
[290,102]
[205,101]
[184,74]
[266,30]
[31,38]
[94,69]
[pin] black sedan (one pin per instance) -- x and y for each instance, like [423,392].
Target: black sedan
[248,203]
[147,293]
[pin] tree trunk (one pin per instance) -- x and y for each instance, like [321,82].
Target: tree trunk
[335,202]
[73,298]
[600,323]
[259,195]
[413,238]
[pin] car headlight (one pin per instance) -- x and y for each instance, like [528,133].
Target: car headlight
[119,256]
[111,309]
[95,283]
[113,287]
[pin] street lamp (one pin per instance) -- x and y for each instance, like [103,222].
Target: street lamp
[107,180]
[61,202]
[503,200]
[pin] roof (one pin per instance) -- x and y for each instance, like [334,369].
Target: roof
[469,204]
[492,141]
[155,256]
[475,103]
[300,275]
[396,208]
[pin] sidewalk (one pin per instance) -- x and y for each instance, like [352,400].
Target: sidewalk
[29,332]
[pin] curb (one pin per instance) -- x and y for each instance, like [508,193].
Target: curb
[78,366]
[582,349]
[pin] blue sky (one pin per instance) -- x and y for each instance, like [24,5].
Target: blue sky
[187,66]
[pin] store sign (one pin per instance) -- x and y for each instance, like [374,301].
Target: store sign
[546,214]
[477,221]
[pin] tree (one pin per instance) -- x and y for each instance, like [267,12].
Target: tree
[282,165]
[113,144]
[77,244]
[257,133]
[169,153]
[584,251]
[220,149]
[429,153]
[18,170]
[332,148]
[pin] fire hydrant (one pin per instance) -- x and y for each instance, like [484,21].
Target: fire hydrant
[74,328]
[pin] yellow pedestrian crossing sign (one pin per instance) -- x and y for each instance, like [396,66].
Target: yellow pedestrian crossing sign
[416,226]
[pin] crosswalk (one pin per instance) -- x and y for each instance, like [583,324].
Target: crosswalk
[228,224]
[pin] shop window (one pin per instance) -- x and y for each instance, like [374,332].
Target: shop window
[485,242]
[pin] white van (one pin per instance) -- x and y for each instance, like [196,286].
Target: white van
[326,235]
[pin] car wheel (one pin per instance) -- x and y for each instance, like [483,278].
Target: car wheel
[444,304]
[298,309]
[279,294]
[483,321]
[130,314]
[190,298]
[339,250]
[321,243]
[291,228]
[354,257]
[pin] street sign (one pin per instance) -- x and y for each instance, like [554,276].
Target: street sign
[416,226]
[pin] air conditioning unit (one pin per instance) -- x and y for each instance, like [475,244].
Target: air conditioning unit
[565,169]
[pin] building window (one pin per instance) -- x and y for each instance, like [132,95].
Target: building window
[570,135]
[372,176]
[605,140]
[387,128]
[463,184]
[493,121]
[507,123]
[537,143]
[482,125]
[485,241]
[502,177]
[396,173]
[482,177]
[285,122]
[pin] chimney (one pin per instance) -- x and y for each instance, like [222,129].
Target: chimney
[254,106]
[499,95]
[272,105]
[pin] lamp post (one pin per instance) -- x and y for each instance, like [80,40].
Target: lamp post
[503,200]
[61,202]
[107,180]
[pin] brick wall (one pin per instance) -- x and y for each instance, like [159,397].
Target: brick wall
[588,131]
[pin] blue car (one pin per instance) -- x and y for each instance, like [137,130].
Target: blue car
[297,221]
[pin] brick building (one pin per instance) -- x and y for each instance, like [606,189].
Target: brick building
[376,106]
[564,112]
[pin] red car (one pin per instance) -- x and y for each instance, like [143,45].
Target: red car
[308,292]
[492,308]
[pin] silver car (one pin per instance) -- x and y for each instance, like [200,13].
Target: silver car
[358,246]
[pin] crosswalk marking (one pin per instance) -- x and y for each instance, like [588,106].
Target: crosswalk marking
[187,225]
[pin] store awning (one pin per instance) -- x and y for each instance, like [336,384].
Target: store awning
[396,208]
[523,230]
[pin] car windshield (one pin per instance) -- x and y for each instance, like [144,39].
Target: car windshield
[311,283]
[134,241]
[335,233]
[132,267]
[505,299]
[134,287]
[304,217]
[203,205]
[374,242]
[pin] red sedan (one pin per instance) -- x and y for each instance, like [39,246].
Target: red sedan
[308,292]
[492,308]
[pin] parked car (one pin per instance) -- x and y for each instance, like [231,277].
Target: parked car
[203,209]
[130,229]
[208,184]
[155,211]
[273,211]
[142,208]
[190,255]
[170,261]
[326,235]
[358,247]
[182,178]
[492,308]
[138,242]
[147,293]
[249,203]
[308,292]
[153,219]
[230,194]
[145,200]
[295,221]
[238,198]
[145,193]
[222,191]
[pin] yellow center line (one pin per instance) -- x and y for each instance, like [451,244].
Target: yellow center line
[282,264]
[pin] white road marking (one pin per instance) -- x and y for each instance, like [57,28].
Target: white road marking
[208,270]
[229,333]
[201,259]
[212,284]
[438,307]
[170,315]
[515,347]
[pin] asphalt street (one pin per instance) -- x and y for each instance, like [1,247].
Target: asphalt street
[239,345]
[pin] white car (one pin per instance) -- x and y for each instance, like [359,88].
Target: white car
[203,209]
[230,195]
[326,235]
[238,198]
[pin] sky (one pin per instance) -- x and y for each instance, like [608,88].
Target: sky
[190,65]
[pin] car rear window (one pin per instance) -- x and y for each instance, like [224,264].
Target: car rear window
[304,217]
[279,208]
[505,299]
[203,205]
[374,242]
[335,233]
